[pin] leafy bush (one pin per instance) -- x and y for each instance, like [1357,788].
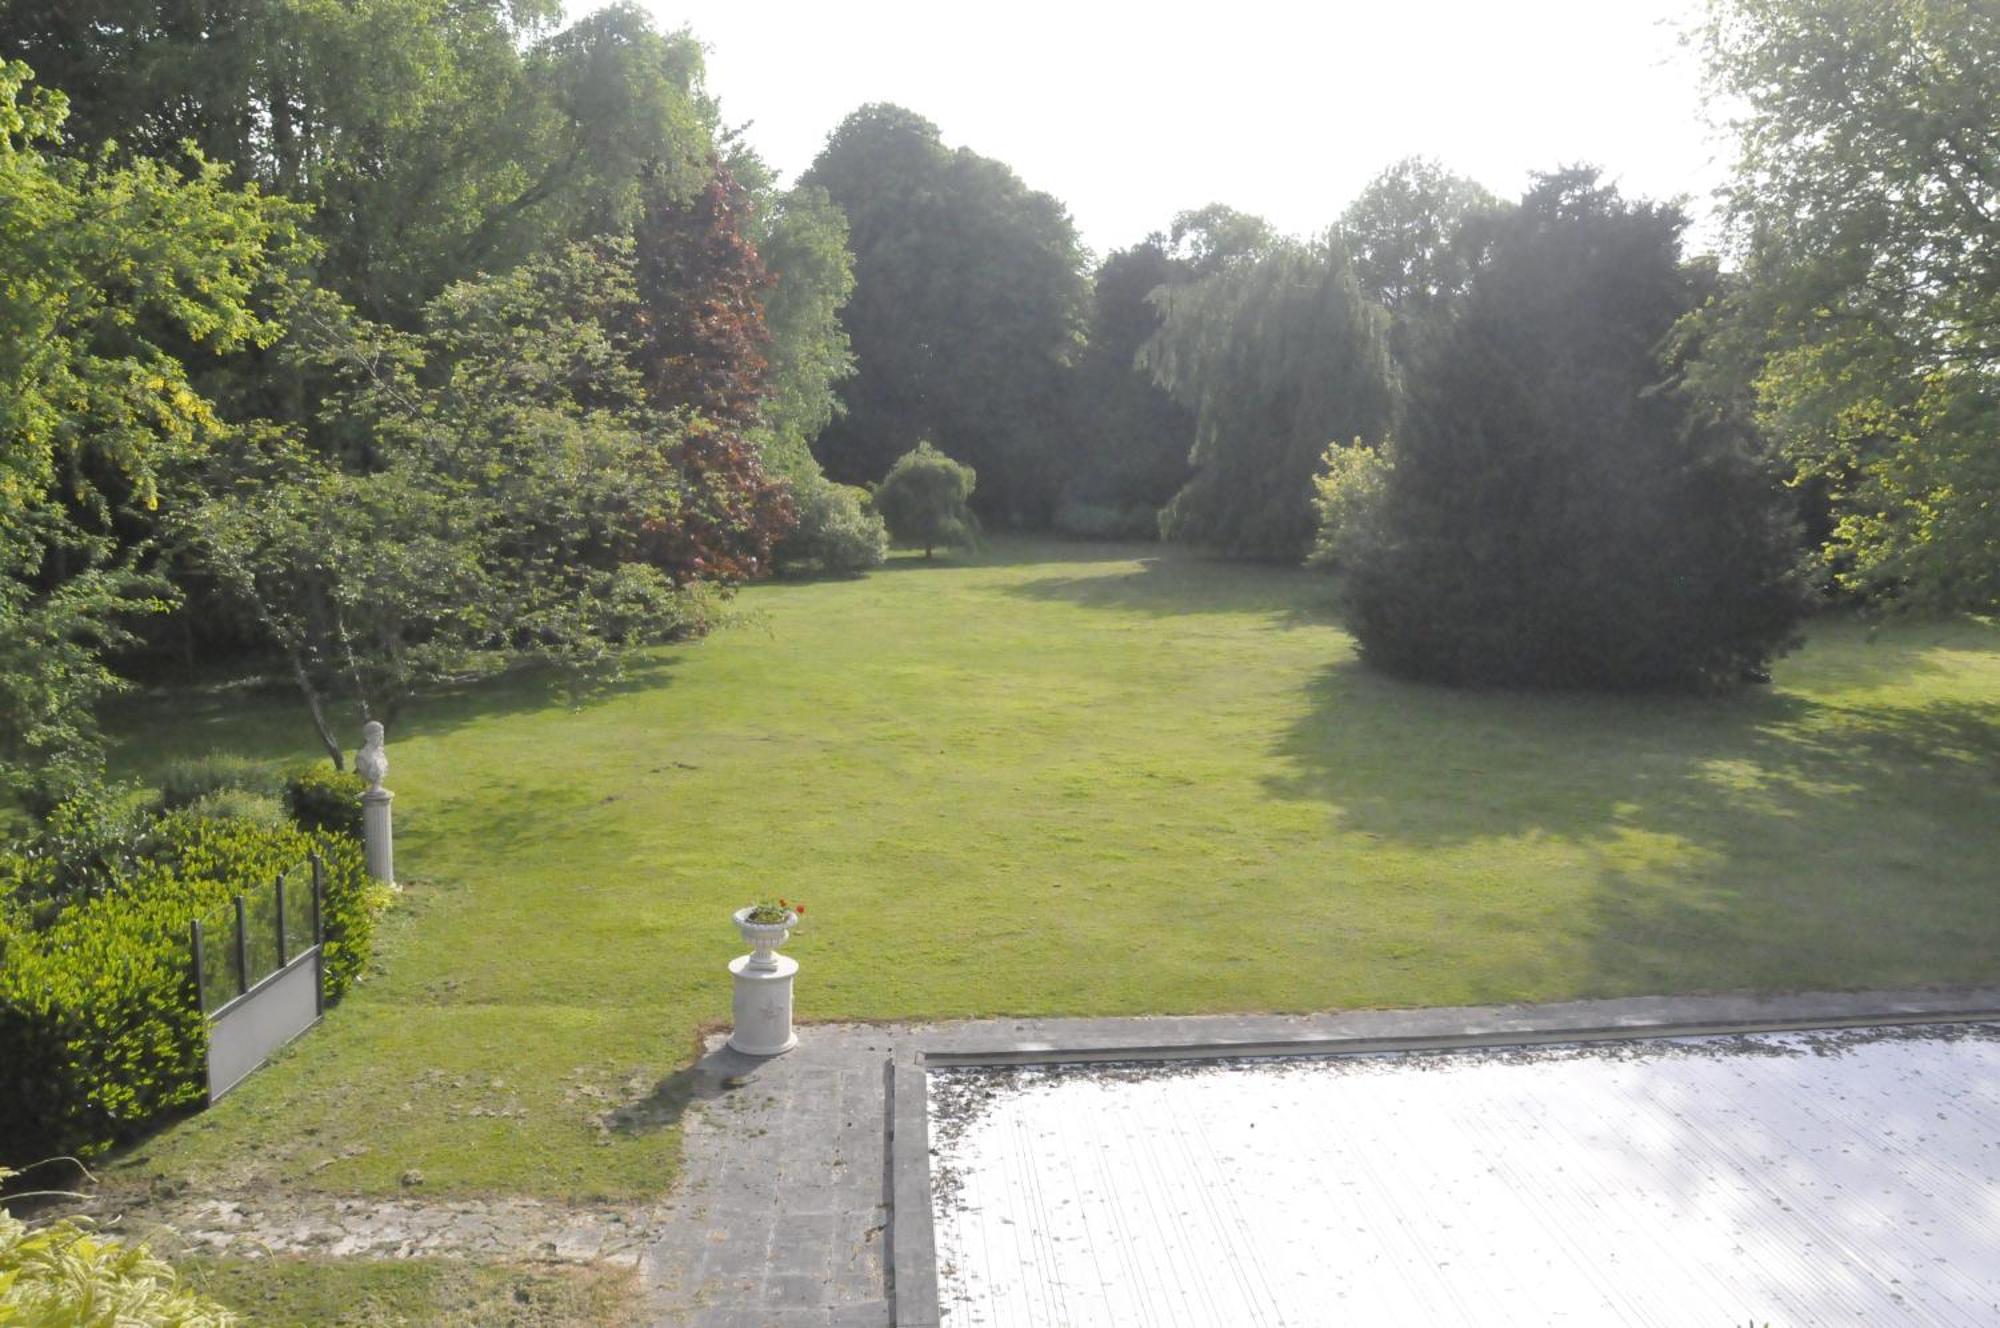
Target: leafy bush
[1347,495]
[237,854]
[318,797]
[922,500]
[66,1274]
[838,533]
[187,782]
[1086,520]
[101,1029]
[81,847]
[230,804]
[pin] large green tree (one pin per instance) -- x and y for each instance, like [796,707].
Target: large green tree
[1555,510]
[1866,217]
[1413,250]
[433,139]
[968,306]
[1275,357]
[1130,439]
[109,267]
[802,237]
[526,495]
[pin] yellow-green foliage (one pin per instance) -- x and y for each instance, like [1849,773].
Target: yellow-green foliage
[100,1028]
[1346,493]
[65,1275]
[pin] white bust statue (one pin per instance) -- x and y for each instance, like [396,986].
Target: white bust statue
[372,762]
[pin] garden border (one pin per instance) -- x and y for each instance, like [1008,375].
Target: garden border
[913,1281]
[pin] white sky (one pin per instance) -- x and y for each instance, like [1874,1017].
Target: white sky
[1132,112]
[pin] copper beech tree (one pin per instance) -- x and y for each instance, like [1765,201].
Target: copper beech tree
[701,345]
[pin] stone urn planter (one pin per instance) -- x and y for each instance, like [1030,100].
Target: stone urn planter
[764,937]
[763,978]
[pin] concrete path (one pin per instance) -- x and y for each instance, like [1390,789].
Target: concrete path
[785,1214]
[781,1215]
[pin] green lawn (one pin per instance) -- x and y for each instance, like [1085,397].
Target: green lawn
[1082,780]
[283,1292]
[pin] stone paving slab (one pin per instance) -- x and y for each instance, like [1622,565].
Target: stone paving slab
[781,1215]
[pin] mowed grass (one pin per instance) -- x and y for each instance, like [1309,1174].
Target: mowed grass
[286,1292]
[1069,779]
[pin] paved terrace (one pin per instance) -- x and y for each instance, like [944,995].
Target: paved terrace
[797,1168]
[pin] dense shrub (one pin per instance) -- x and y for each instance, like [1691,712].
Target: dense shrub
[67,1274]
[186,782]
[923,500]
[318,797]
[1555,512]
[838,531]
[231,804]
[236,854]
[81,847]
[101,1031]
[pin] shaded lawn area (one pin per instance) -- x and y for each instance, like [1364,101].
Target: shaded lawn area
[1081,780]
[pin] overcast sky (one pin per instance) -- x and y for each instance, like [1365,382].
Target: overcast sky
[1132,112]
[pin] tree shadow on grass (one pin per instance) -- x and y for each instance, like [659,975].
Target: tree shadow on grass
[712,1078]
[1015,551]
[1432,765]
[1175,583]
[267,722]
[1763,839]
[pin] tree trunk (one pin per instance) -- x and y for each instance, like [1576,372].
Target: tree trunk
[313,704]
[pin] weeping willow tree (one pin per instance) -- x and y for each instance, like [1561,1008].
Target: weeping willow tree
[1275,358]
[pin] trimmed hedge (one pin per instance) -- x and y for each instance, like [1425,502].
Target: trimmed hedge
[101,1032]
[319,797]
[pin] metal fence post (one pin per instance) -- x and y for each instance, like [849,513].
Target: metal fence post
[278,890]
[242,950]
[200,977]
[319,935]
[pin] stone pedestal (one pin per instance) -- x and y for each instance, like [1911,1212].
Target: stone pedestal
[377,838]
[763,1005]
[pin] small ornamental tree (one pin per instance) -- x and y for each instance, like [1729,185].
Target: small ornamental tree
[923,500]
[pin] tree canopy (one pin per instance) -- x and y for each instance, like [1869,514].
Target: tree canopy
[1866,216]
[1274,356]
[923,500]
[113,269]
[968,306]
[1555,511]
[431,139]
